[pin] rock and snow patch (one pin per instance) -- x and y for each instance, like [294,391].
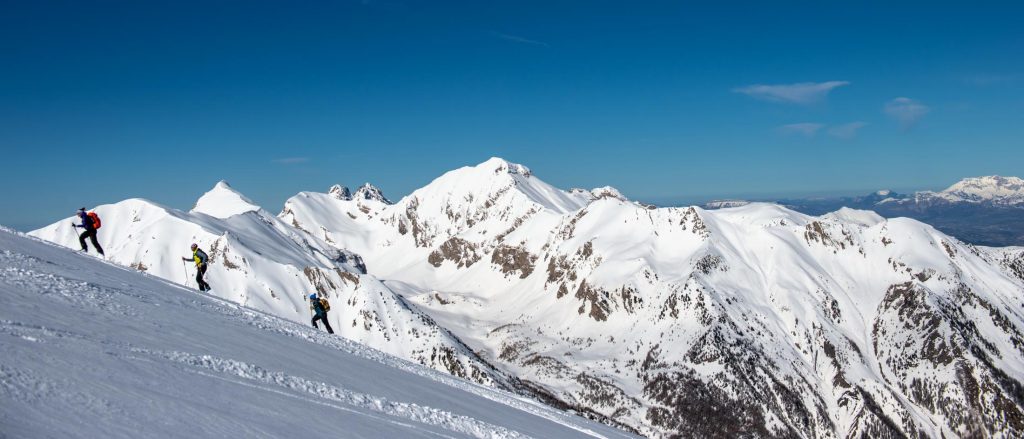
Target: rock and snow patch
[370,192]
[340,192]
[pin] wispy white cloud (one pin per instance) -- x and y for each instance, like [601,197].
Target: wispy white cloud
[292,160]
[803,93]
[906,111]
[846,131]
[985,80]
[805,129]
[518,39]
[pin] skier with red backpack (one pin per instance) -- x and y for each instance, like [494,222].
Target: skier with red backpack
[91,223]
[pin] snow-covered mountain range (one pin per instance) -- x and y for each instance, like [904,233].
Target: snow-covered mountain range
[990,190]
[994,190]
[747,321]
[95,350]
[980,210]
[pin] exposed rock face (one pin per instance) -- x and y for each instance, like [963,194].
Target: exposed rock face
[370,192]
[514,260]
[752,321]
[463,253]
[340,192]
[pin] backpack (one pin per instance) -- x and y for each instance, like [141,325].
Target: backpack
[95,220]
[324,303]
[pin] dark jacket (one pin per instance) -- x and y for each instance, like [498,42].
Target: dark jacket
[200,257]
[318,307]
[86,221]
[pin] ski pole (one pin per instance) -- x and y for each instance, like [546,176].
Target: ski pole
[185,268]
[311,315]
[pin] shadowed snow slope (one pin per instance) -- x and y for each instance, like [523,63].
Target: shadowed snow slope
[90,349]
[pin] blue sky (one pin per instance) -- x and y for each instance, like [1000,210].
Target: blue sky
[110,100]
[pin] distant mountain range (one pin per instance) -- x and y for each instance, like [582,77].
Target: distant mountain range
[979,210]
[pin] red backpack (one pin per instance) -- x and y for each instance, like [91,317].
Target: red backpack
[95,220]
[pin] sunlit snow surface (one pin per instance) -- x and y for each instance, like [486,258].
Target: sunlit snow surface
[91,349]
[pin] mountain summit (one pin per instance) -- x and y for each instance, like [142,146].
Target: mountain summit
[223,201]
[340,192]
[370,192]
[993,189]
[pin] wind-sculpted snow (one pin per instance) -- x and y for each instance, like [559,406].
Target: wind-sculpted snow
[91,349]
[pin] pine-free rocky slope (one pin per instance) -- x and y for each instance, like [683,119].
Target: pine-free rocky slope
[753,321]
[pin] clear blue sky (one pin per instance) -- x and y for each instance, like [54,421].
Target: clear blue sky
[102,101]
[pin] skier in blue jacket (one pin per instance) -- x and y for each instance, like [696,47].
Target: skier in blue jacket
[320,312]
[90,231]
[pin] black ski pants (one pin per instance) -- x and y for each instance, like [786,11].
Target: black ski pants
[200,271]
[91,234]
[322,318]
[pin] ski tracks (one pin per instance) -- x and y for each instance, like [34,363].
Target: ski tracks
[278,381]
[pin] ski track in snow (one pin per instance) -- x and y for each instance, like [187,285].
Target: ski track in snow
[413,412]
[56,281]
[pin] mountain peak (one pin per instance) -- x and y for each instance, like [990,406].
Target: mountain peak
[224,201]
[502,166]
[370,192]
[992,188]
[598,193]
[340,192]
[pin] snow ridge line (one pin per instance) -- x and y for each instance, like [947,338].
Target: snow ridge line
[414,412]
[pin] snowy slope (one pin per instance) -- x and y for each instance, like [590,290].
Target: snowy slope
[754,320]
[260,262]
[90,349]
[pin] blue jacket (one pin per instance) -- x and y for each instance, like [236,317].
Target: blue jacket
[318,308]
[86,221]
